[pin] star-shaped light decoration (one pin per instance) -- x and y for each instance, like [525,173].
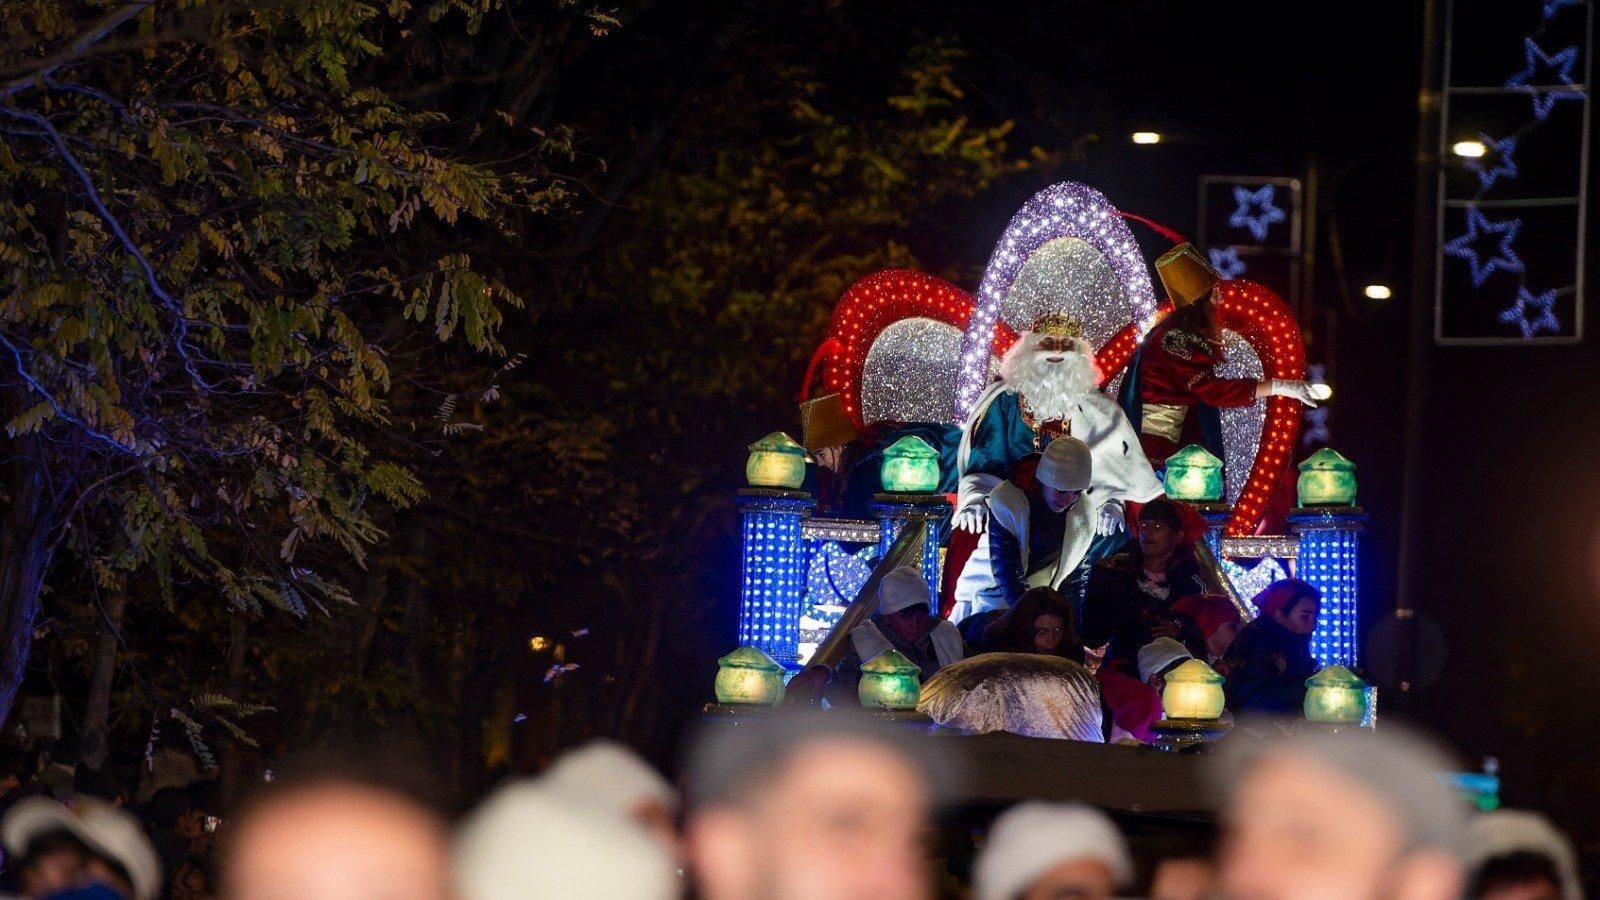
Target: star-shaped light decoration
[1226,261]
[1504,167]
[1532,313]
[1257,222]
[1531,79]
[1504,258]
[1551,7]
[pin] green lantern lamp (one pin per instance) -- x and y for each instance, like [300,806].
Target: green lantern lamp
[1336,696]
[889,681]
[1327,479]
[1193,691]
[1193,473]
[776,461]
[748,677]
[910,466]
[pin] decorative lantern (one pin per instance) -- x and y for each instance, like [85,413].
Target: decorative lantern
[1327,479]
[749,677]
[1193,691]
[889,681]
[776,461]
[910,466]
[1193,474]
[1335,695]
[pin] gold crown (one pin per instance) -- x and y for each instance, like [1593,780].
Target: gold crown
[1057,324]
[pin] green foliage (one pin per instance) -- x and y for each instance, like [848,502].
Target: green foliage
[209,220]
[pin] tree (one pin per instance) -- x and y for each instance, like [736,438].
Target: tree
[207,223]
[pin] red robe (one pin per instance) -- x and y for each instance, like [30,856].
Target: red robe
[1176,370]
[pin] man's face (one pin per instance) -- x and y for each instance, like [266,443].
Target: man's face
[1157,538]
[1075,879]
[1053,349]
[54,872]
[1298,829]
[1182,879]
[841,820]
[911,623]
[337,842]
[1059,501]
[1301,618]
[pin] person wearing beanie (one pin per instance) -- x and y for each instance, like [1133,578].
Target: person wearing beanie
[92,849]
[1207,625]
[1513,853]
[904,622]
[1039,527]
[526,842]
[1159,657]
[610,776]
[1271,659]
[1046,850]
[1337,815]
[1131,594]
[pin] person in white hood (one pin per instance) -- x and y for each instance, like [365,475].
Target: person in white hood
[1044,851]
[904,622]
[1513,854]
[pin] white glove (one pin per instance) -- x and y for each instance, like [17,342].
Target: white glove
[973,518]
[1111,520]
[1296,390]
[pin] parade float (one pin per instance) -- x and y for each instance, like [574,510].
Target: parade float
[873,481]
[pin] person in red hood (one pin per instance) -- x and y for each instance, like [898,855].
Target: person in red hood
[1271,658]
[1208,623]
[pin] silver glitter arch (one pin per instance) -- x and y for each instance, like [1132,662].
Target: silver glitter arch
[910,372]
[1241,425]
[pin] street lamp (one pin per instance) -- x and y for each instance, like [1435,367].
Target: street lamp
[1146,137]
[1378,292]
[1469,149]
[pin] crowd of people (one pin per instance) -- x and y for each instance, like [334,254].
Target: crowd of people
[798,803]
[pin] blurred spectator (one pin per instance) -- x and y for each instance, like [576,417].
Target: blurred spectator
[1518,855]
[1042,851]
[904,622]
[1207,623]
[528,842]
[336,840]
[177,827]
[1357,815]
[172,764]
[1271,658]
[609,776]
[1159,657]
[1131,593]
[1041,622]
[1185,877]
[810,804]
[92,849]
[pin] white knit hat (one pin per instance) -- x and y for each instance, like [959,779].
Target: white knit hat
[1033,838]
[610,776]
[1159,655]
[1507,831]
[526,843]
[103,828]
[1066,464]
[900,589]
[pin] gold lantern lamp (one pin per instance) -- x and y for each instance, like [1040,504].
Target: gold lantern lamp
[748,677]
[890,681]
[776,461]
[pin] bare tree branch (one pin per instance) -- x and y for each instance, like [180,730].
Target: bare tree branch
[80,45]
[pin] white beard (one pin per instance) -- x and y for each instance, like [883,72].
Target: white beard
[1051,390]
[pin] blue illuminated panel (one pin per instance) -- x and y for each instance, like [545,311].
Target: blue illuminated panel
[1329,545]
[774,574]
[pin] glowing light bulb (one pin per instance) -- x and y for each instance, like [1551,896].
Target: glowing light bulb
[1146,137]
[1378,292]
[1469,149]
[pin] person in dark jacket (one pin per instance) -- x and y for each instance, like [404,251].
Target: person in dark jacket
[1271,658]
[904,622]
[1130,596]
[1041,622]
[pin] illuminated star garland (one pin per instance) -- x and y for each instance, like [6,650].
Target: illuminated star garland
[1257,223]
[1226,261]
[1062,210]
[1506,259]
[1504,167]
[1541,305]
[1560,64]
